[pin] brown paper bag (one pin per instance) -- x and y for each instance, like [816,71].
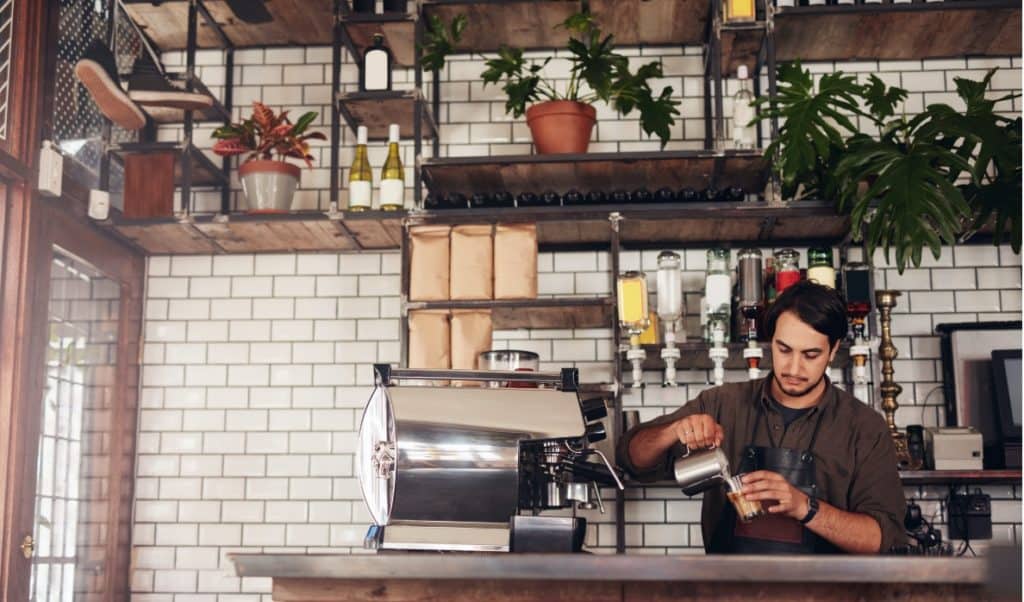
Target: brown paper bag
[515,261]
[472,266]
[471,336]
[429,339]
[428,272]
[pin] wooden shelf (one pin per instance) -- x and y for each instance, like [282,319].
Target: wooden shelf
[398,31]
[953,28]
[694,356]
[533,24]
[597,171]
[564,312]
[668,225]
[377,110]
[295,23]
[204,172]
[243,233]
[943,477]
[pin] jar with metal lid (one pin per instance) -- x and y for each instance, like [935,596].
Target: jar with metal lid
[819,266]
[787,269]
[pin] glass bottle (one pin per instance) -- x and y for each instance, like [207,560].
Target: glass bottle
[819,266]
[857,285]
[787,269]
[670,287]
[769,280]
[360,178]
[751,293]
[376,72]
[744,134]
[392,175]
[718,292]
[634,314]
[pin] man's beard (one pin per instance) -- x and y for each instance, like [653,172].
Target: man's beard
[800,393]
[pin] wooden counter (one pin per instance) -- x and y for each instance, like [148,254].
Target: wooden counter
[600,578]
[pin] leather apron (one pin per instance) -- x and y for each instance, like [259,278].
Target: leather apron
[772,533]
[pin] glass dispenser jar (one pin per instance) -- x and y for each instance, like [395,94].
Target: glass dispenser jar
[819,266]
[787,269]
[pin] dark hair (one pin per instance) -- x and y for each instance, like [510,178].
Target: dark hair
[820,307]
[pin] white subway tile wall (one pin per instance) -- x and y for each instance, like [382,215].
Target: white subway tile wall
[257,367]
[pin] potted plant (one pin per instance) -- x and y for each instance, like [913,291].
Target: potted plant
[920,182]
[268,183]
[561,122]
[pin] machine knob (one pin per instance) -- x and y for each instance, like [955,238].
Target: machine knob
[594,409]
[596,432]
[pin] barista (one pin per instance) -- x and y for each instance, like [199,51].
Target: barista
[821,462]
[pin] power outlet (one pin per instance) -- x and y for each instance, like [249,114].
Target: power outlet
[99,204]
[51,169]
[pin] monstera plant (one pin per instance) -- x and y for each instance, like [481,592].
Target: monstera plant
[919,181]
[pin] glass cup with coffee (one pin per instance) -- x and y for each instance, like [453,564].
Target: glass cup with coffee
[747,510]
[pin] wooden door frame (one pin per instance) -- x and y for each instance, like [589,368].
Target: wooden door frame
[52,224]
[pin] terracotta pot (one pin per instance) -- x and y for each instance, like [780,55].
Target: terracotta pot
[561,126]
[269,185]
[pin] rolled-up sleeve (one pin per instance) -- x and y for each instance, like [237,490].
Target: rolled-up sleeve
[876,489]
[663,469]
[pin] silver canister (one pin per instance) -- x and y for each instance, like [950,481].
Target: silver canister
[699,471]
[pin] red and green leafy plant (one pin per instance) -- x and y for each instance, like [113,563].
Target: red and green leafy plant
[265,134]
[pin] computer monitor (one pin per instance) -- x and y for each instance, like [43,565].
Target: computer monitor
[1006,384]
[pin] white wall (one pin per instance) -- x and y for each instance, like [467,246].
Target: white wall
[256,367]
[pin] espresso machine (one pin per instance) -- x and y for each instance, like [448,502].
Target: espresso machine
[468,468]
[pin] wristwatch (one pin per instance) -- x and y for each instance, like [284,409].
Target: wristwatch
[812,510]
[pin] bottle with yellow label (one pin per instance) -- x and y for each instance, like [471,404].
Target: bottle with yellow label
[738,10]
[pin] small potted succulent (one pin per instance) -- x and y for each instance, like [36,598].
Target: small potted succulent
[561,122]
[268,183]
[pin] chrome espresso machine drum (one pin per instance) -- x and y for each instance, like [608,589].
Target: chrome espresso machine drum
[451,468]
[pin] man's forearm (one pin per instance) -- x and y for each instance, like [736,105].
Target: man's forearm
[648,447]
[849,531]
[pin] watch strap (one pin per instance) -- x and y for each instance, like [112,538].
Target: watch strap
[812,510]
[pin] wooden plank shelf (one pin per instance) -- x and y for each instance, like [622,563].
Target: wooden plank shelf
[398,31]
[597,171]
[944,477]
[694,356]
[167,115]
[559,312]
[953,28]
[204,172]
[309,231]
[377,110]
[294,23]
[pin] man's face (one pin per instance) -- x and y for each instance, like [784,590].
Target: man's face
[800,355]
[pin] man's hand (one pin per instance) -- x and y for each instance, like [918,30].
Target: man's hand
[765,485]
[699,431]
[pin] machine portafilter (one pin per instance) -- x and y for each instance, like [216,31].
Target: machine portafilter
[469,468]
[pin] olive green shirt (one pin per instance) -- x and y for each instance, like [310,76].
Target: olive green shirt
[855,458]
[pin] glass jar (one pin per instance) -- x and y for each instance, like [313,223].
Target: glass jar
[819,266]
[787,269]
[632,299]
[718,283]
[670,286]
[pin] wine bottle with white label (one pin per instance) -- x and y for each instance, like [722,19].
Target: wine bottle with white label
[360,178]
[392,178]
[744,136]
[375,76]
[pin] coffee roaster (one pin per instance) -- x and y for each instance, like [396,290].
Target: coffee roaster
[464,468]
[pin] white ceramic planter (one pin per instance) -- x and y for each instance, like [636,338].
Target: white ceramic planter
[269,185]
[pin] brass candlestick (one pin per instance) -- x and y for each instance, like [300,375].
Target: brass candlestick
[885,301]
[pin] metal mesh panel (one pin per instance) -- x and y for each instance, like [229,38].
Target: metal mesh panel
[6,18]
[127,47]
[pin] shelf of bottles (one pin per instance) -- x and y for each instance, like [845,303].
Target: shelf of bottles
[732,310]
